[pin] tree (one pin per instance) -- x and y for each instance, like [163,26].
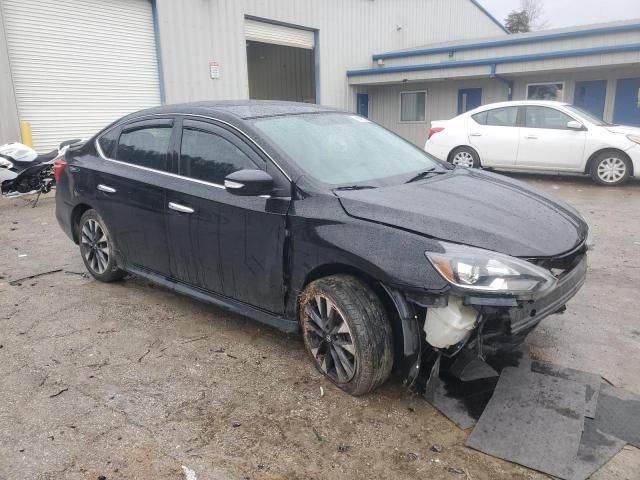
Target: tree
[529,17]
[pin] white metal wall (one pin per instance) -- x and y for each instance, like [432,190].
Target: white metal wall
[77,65]
[195,32]
[9,131]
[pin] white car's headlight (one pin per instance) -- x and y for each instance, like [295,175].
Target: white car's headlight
[490,272]
[634,138]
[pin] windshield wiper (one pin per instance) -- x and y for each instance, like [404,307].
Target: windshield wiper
[355,187]
[425,174]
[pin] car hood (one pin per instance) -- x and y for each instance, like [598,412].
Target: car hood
[624,130]
[475,208]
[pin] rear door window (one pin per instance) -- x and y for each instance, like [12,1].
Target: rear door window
[145,146]
[502,117]
[545,117]
[210,157]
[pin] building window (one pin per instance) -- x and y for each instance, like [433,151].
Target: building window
[545,91]
[413,106]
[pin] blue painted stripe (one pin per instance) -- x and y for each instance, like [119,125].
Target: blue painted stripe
[512,40]
[156,32]
[583,52]
[491,17]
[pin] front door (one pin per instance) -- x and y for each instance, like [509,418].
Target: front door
[547,143]
[590,96]
[130,193]
[363,104]
[468,99]
[220,242]
[626,110]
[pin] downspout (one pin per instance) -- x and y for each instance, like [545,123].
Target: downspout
[506,81]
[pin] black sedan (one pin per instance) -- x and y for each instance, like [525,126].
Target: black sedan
[318,221]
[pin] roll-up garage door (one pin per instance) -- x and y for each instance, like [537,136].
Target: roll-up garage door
[278,34]
[77,65]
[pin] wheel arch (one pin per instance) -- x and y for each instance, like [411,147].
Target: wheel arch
[453,151]
[594,155]
[76,214]
[381,291]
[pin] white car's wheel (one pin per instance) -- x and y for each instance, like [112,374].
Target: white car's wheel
[611,168]
[465,157]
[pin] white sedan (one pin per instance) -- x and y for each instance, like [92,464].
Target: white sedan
[538,135]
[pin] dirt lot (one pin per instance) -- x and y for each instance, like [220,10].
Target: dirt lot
[129,381]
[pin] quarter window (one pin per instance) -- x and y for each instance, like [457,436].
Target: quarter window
[108,142]
[146,147]
[502,117]
[413,106]
[545,117]
[209,157]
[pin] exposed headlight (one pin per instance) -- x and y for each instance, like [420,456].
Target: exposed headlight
[486,271]
[634,138]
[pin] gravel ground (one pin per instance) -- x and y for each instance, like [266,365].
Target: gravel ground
[129,381]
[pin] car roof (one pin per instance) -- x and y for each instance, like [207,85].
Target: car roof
[515,103]
[242,109]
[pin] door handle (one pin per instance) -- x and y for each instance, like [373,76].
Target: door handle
[106,188]
[530,137]
[475,134]
[180,208]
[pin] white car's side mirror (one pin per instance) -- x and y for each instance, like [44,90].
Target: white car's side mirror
[574,125]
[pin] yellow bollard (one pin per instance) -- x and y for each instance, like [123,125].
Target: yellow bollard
[25,132]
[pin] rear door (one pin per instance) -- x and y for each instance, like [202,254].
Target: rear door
[495,135]
[220,242]
[130,191]
[547,143]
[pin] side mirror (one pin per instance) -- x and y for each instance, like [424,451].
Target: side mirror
[573,125]
[249,183]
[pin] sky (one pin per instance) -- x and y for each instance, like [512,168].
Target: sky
[565,13]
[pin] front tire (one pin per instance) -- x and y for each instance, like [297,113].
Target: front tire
[611,168]
[465,157]
[96,248]
[347,333]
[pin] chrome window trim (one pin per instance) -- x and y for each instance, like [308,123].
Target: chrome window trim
[175,175]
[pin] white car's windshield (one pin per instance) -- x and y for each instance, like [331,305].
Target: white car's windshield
[341,149]
[586,114]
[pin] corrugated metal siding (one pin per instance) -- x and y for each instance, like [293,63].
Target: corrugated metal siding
[9,131]
[77,65]
[194,33]
[278,34]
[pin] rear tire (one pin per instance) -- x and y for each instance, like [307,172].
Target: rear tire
[96,248]
[347,333]
[465,157]
[611,168]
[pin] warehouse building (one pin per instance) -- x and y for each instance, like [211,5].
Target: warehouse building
[69,67]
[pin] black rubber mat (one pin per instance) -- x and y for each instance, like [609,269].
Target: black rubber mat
[591,380]
[534,420]
[618,414]
[596,449]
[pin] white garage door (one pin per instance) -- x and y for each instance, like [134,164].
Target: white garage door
[278,34]
[77,65]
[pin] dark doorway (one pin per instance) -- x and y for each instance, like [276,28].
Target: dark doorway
[278,72]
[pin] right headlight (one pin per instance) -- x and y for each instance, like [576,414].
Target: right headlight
[4,163]
[485,271]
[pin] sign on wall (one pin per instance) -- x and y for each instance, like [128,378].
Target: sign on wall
[214,70]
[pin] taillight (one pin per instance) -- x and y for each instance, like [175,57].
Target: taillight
[434,130]
[59,164]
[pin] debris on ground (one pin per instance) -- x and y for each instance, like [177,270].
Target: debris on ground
[557,420]
[18,281]
[437,448]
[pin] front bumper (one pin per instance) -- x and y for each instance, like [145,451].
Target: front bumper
[508,326]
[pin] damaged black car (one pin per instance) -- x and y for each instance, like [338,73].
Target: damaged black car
[319,221]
